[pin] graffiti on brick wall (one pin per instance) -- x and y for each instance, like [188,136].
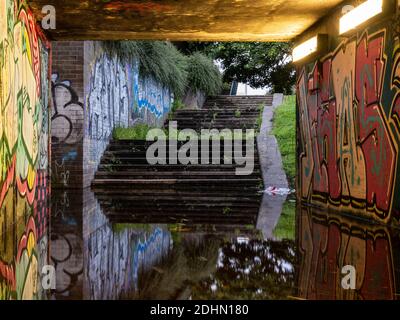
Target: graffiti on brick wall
[348,146]
[149,96]
[67,112]
[67,130]
[327,244]
[24,187]
[108,98]
[116,258]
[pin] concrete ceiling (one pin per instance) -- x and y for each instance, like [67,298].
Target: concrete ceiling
[206,20]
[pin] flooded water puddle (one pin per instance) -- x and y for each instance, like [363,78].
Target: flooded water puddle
[303,259]
[99,259]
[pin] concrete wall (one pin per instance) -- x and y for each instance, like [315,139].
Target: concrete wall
[93,94]
[24,152]
[348,118]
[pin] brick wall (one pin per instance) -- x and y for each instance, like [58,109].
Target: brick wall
[67,114]
[92,94]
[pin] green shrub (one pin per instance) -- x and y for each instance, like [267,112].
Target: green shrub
[124,50]
[203,74]
[165,64]
[168,66]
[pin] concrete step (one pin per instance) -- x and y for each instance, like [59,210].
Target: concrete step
[131,190]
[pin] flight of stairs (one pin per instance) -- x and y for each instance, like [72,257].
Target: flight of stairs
[219,112]
[132,191]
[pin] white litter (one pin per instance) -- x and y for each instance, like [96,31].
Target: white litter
[278,191]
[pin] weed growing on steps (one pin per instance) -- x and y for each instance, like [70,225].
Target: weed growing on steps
[140,131]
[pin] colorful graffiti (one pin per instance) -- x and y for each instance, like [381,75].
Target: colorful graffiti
[348,145]
[24,143]
[116,96]
[117,255]
[149,96]
[327,243]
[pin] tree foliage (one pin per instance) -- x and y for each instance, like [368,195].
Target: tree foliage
[259,64]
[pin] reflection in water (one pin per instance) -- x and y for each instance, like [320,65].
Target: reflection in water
[97,259]
[327,242]
[66,243]
[23,239]
[251,269]
[115,257]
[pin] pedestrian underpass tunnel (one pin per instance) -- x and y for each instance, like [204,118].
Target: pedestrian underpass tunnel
[63,95]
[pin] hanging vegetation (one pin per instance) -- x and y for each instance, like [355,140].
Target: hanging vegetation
[167,65]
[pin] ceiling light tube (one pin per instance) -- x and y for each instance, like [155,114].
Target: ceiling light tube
[359,15]
[305,49]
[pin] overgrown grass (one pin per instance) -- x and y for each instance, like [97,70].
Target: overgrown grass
[284,129]
[203,74]
[168,66]
[138,132]
[285,229]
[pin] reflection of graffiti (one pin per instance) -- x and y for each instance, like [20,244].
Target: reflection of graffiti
[349,151]
[326,244]
[68,261]
[24,187]
[66,112]
[115,257]
[148,252]
[66,243]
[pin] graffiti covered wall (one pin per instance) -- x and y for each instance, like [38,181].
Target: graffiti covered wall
[92,94]
[24,156]
[349,127]
[116,96]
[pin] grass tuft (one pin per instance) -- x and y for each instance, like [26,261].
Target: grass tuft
[285,132]
[138,132]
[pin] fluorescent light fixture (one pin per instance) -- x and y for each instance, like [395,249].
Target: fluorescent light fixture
[360,14]
[306,48]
